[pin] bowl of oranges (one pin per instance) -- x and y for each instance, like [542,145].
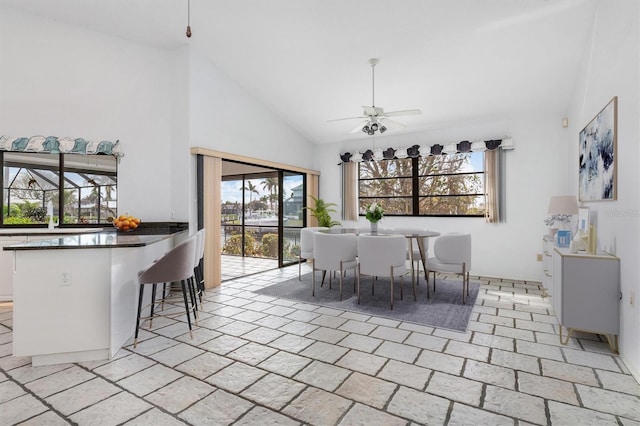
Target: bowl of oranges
[126,223]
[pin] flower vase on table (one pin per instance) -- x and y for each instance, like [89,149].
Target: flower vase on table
[374,214]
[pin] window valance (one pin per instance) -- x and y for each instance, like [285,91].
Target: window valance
[56,145]
[425,150]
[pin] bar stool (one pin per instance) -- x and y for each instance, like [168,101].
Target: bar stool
[174,266]
[198,272]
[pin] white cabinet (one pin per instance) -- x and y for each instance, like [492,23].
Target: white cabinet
[6,267]
[586,293]
[547,264]
[7,256]
[87,315]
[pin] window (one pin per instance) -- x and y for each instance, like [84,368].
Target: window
[436,185]
[31,180]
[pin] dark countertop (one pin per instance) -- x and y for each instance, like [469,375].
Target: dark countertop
[91,241]
[145,228]
[24,232]
[108,237]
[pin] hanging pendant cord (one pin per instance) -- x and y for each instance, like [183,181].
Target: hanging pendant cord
[188,18]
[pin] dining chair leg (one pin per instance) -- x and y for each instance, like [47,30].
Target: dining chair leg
[299,268]
[354,278]
[426,279]
[341,280]
[464,293]
[358,285]
[467,283]
[313,281]
[391,288]
[373,281]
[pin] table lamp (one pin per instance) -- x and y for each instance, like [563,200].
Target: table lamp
[561,208]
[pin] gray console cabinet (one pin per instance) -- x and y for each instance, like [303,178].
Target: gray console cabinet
[586,293]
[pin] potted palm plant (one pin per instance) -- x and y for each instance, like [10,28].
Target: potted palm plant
[321,211]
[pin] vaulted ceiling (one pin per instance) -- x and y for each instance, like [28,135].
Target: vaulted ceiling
[307,60]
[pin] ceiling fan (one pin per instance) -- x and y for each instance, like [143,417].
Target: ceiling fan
[374,118]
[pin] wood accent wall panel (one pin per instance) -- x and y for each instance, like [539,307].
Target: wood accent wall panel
[212,208]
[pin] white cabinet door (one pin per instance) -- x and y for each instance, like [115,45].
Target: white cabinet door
[547,265]
[6,267]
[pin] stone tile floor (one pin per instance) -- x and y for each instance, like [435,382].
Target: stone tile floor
[255,360]
[233,267]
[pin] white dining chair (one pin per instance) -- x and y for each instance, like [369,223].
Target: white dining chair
[382,256]
[306,245]
[413,250]
[452,254]
[334,252]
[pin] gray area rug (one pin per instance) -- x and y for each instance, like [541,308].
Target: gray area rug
[444,308]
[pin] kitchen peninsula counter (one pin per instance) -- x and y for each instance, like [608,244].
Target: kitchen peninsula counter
[75,296]
[91,241]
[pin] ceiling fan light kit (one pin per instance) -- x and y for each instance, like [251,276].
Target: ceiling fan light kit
[375,119]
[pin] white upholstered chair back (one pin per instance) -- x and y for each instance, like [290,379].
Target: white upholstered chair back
[382,256]
[452,254]
[331,249]
[334,252]
[306,244]
[377,253]
[453,249]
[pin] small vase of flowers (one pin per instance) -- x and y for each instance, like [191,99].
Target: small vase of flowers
[556,220]
[374,214]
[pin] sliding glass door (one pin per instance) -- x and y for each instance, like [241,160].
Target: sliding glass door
[262,212]
[293,215]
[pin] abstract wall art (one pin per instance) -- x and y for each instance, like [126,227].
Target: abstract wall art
[597,178]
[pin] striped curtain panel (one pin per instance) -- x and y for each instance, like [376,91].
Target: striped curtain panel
[349,191]
[494,212]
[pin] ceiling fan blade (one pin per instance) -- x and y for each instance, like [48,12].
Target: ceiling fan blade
[348,118]
[403,112]
[359,127]
[391,123]
[372,110]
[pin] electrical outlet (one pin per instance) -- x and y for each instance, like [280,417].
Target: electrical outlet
[632,298]
[539,257]
[65,278]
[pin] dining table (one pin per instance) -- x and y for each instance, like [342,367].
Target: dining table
[411,234]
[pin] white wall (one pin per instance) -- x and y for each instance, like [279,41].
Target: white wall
[610,67]
[224,117]
[535,170]
[66,81]
[62,80]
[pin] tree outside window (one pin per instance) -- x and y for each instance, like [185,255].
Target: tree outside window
[442,185]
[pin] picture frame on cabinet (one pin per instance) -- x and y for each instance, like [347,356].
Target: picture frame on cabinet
[583,220]
[597,175]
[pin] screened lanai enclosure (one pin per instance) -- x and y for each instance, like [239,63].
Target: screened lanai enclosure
[85,186]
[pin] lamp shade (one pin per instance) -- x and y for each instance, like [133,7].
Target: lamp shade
[563,204]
